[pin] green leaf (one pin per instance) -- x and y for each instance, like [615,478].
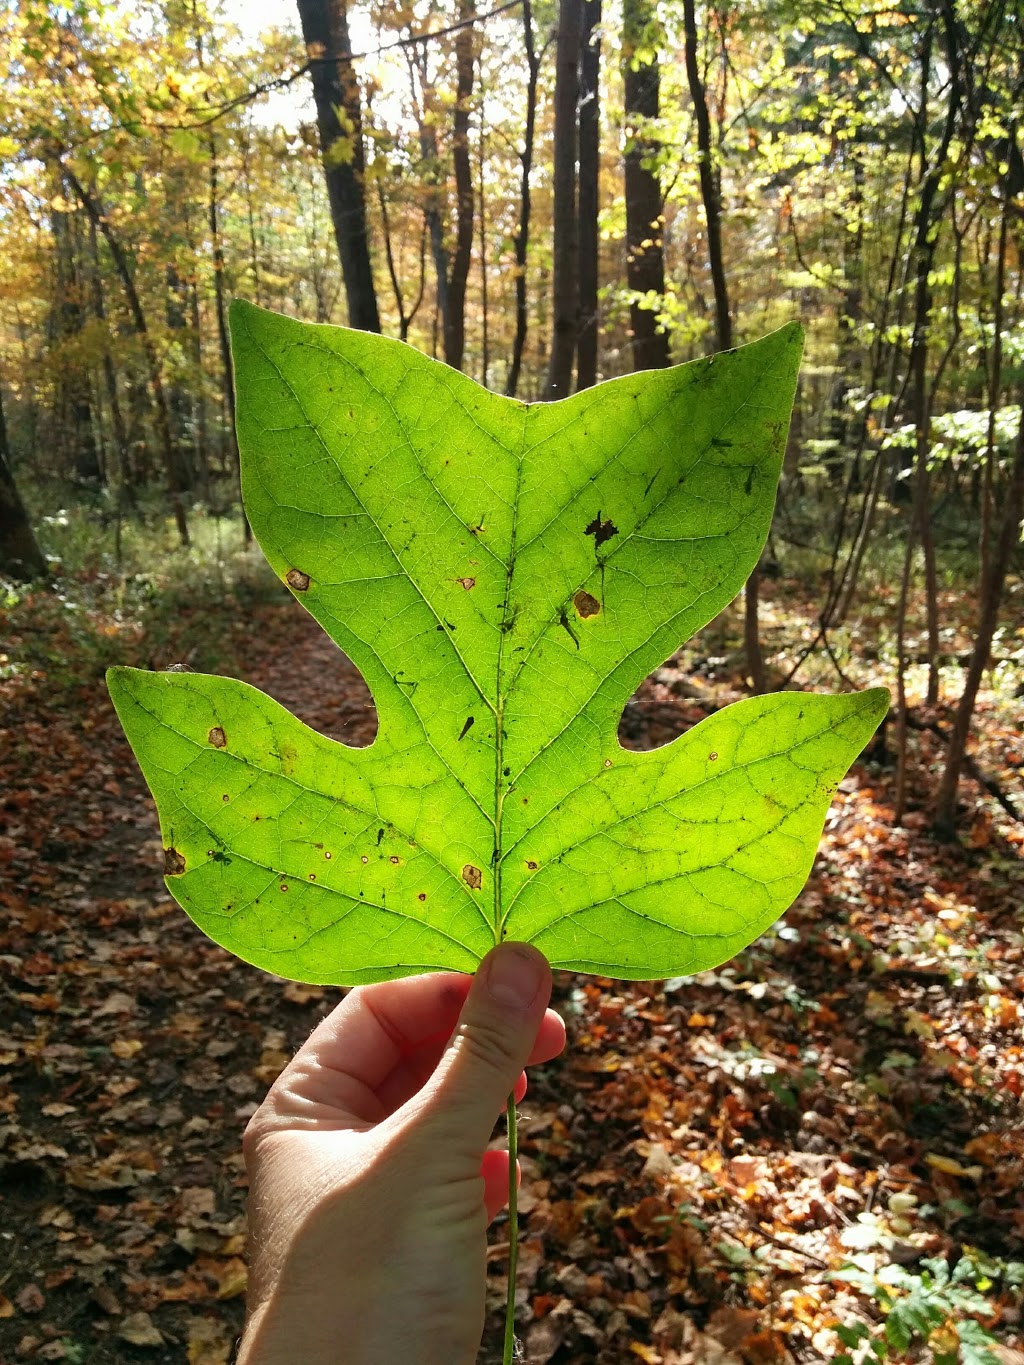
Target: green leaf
[505,576]
[976,1344]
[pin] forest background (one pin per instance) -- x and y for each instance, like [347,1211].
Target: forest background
[547,195]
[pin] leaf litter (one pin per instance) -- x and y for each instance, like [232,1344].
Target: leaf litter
[705,1156]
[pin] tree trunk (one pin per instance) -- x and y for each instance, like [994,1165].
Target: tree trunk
[455,322]
[188,471]
[73,397]
[590,166]
[485,340]
[711,198]
[522,237]
[926,219]
[645,221]
[1001,553]
[125,488]
[336,92]
[163,418]
[425,103]
[564,286]
[213,217]
[20,555]
[994,384]
[710,182]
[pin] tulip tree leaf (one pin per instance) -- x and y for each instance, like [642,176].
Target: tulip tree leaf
[505,575]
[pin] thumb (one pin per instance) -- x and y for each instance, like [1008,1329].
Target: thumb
[491,1043]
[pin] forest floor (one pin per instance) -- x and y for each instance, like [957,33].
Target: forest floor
[825,1132]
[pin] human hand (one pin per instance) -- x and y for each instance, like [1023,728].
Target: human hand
[370,1185]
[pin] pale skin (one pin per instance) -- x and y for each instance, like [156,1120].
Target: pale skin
[371,1185]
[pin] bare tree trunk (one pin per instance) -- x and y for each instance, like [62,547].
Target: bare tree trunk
[645,222]
[125,487]
[485,358]
[72,378]
[222,328]
[336,92]
[710,182]
[564,273]
[455,322]
[162,413]
[995,380]
[590,166]
[254,261]
[900,799]
[20,555]
[711,197]
[522,237]
[404,318]
[925,241]
[425,104]
[944,819]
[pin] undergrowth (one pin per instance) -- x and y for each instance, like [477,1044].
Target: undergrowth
[129,597]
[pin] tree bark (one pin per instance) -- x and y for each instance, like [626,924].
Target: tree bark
[590,166]
[74,400]
[20,555]
[522,237]
[710,181]
[645,221]
[925,241]
[213,218]
[455,322]
[564,271]
[336,92]
[944,819]
[125,487]
[162,412]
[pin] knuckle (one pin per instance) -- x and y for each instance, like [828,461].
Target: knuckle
[486,1043]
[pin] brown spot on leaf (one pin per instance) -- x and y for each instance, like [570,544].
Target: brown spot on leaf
[217,737]
[327,855]
[284,886]
[312,876]
[531,865]
[712,757]
[394,859]
[585,604]
[422,896]
[607,763]
[473,877]
[364,859]
[601,530]
[296,579]
[225,797]
[174,863]
[467,583]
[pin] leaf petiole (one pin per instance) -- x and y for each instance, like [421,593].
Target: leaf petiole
[509,1355]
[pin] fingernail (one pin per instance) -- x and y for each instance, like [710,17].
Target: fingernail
[514,977]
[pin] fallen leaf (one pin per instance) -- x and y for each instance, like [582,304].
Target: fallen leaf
[139,1329]
[30,1299]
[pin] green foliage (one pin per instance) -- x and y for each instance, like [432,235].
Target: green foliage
[505,576]
[932,1304]
[153,600]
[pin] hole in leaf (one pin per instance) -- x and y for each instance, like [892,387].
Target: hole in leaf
[174,863]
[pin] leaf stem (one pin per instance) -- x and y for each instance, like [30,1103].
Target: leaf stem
[509,1355]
